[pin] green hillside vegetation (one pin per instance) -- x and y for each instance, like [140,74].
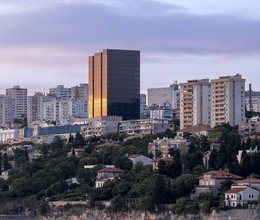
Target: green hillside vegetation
[35,183]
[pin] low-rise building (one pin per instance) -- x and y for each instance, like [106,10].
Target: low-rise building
[250,182]
[211,181]
[200,130]
[250,126]
[165,144]
[240,195]
[101,125]
[167,160]
[9,136]
[106,174]
[145,126]
[137,158]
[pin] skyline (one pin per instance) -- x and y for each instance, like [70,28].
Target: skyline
[46,43]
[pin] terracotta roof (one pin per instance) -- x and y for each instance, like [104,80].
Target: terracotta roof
[164,158]
[110,170]
[249,180]
[196,129]
[221,174]
[235,190]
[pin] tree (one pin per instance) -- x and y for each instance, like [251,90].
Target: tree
[213,159]
[0,163]
[79,140]
[123,163]
[5,162]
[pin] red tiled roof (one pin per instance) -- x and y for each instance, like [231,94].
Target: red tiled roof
[235,190]
[110,170]
[249,180]
[196,129]
[221,174]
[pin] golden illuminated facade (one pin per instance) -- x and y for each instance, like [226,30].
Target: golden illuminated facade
[114,84]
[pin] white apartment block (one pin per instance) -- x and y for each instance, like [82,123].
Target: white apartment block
[36,106]
[5,107]
[80,92]
[60,92]
[19,102]
[195,98]
[255,104]
[64,111]
[228,100]
[159,96]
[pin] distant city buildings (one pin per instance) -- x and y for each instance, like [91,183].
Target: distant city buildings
[160,96]
[114,84]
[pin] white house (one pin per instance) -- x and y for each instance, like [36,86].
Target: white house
[140,158]
[106,174]
[240,195]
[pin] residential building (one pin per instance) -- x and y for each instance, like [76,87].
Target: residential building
[199,130]
[60,92]
[160,96]
[114,84]
[211,181]
[143,107]
[36,107]
[161,112]
[9,135]
[5,110]
[167,160]
[139,158]
[100,125]
[250,126]
[250,182]
[106,174]
[228,100]
[195,99]
[64,111]
[145,126]
[164,145]
[80,92]
[19,102]
[255,102]
[240,195]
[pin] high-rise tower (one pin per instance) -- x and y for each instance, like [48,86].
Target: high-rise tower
[114,84]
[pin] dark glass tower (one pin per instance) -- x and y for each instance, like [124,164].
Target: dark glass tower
[114,84]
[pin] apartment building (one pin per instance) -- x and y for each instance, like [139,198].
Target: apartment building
[228,100]
[5,107]
[195,98]
[18,98]
[160,96]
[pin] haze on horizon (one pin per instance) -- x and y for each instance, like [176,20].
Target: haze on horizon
[44,43]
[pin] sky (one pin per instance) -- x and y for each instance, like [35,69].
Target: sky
[44,43]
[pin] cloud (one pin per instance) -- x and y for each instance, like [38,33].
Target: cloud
[92,27]
[53,38]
